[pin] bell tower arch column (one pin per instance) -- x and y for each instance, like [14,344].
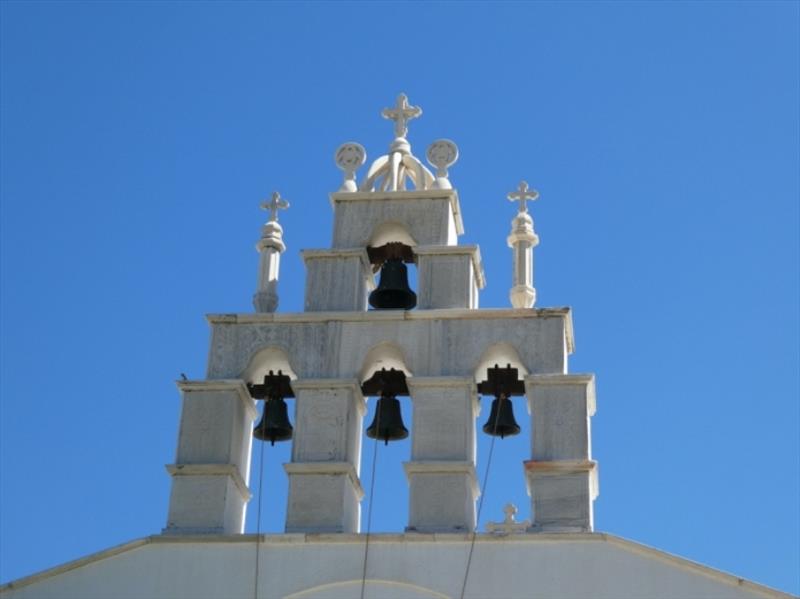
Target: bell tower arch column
[443,487]
[561,475]
[324,487]
[212,461]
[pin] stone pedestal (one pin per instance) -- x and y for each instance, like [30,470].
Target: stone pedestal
[324,488]
[449,276]
[561,476]
[270,248]
[212,463]
[441,475]
[522,241]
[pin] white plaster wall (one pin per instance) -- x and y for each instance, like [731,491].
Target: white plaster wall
[400,566]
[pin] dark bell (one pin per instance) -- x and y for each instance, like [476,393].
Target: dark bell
[501,421]
[393,292]
[388,422]
[274,424]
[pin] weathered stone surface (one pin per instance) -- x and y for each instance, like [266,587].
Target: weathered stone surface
[449,277]
[562,493]
[209,491]
[434,342]
[337,280]
[431,217]
[561,407]
[323,497]
[441,496]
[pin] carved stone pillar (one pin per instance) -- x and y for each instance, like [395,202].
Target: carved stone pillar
[561,475]
[441,473]
[337,280]
[449,276]
[212,463]
[324,488]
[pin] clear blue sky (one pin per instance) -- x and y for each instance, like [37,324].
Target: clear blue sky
[138,139]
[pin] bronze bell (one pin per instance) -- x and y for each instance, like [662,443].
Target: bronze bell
[274,424]
[501,421]
[393,292]
[388,421]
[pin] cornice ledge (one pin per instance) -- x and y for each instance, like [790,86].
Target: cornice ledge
[440,381]
[206,385]
[379,315]
[211,470]
[559,466]
[327,468]
[443,467]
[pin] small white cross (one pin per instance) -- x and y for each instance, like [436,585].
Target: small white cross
[522,195]
[510,510]
[275,204]
[401,114]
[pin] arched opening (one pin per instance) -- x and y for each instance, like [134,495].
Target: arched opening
[375,589]
[390,250]
[264,360]
[506,481]
[385,504]
[266,477]
[391,231]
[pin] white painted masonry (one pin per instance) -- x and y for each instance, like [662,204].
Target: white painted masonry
[401,566]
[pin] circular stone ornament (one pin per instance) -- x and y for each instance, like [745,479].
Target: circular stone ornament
[442,154]
[350,156]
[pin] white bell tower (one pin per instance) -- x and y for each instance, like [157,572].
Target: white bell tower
[359,340]
[400,212]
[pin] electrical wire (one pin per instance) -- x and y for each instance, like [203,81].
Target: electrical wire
[258,518]
[371,497]
[502,398]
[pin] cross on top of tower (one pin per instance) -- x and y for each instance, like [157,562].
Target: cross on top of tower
[273,205]
[522,195]
[401,114]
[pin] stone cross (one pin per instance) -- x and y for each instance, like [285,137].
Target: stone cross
[401,114]
[522,195]
[510,510]
[276,203]
[510,524]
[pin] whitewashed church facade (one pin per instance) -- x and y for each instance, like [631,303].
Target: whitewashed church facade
[442,353]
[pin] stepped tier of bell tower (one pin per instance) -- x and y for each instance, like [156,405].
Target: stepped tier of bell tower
[434,341]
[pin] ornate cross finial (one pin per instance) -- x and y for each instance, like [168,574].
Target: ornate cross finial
[276,203]
[522,195]
[401,114]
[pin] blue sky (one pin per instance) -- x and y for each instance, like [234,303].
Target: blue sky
[137,140]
